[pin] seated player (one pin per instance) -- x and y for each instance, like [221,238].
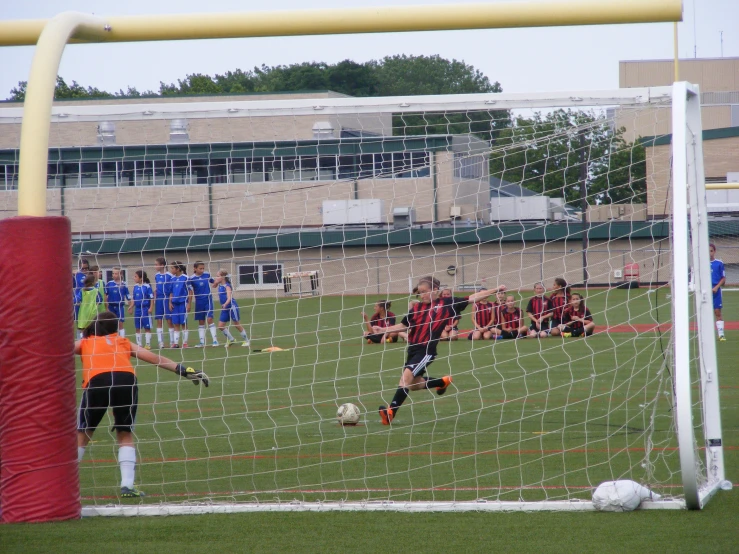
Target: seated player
[116,291]
[229,308]
[539,313]
[142,306]
[451,329]
[512,323]
[200,285]
[109,381]
[560,298]
[424,324]
[718,279]
[576,319]
[380,320]
[498,306]
[483,320]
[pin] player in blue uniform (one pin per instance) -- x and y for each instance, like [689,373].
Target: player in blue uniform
[179,301]
[200,285]
[161,301]
[718,279]
[142,306]
[79,284]
[116,291]
[229,308]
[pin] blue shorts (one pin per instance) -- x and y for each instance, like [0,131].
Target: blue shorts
[119,310]
[142,320]
[203,312]
[159,311]
[230,314]
[718,302]
[179,314]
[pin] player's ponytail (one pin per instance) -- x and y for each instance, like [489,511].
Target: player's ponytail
[106,323]
[143,276]
[563,286]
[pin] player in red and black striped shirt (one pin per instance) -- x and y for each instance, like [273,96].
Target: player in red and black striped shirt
[483,319]
[577,319]
[424,324]
[539,313]
[451,329]
[512,322]
[557,301]
[498,306]
[378,323]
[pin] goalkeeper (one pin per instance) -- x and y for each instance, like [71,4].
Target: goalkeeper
[109,381]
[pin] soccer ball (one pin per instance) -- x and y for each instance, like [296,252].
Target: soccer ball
[348,414]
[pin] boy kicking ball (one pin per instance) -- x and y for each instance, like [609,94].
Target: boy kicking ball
[424,325]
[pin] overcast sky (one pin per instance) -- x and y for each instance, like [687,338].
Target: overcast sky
[521,60]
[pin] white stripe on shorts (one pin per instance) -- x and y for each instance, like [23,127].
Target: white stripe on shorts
[421,365]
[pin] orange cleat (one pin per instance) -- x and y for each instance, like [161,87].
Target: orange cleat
[386,415]
[447,381]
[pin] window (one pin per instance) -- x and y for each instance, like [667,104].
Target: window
[260,276]
[467,166]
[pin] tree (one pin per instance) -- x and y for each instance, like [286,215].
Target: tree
[545,153]
[62,90]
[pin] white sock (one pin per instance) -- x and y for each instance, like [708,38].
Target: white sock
[127,463]
[720,328]
[201,333]
[148,338]
[176,337]
[185,334]
[138,339]
[171,336]
[80,453]
[160,335]
[213,330]
[243,335]
[122,333]
[228,334]
[81,334]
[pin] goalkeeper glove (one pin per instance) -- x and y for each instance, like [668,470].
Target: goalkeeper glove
[195,375]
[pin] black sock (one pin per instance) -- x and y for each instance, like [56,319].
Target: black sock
[577,332]
[432,383]
[400,395]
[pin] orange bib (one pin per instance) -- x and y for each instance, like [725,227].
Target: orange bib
[103,355]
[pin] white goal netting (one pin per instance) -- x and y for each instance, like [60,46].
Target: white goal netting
[319,209]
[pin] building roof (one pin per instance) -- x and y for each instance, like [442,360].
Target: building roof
[501,187]
[708,134]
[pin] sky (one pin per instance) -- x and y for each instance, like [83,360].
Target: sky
[541,59]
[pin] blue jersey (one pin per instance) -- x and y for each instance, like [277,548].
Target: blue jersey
[159,280]
[79,284]
[717,272]
[223,295]
[142,297]
[200,285]
[179,289]
[117,292]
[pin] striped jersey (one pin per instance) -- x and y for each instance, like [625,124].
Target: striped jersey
[386,321]
[426,322]
[570,312]
[512,320]
[484,314]
[557,305]
[538,306]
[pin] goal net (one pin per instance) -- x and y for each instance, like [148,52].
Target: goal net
[321,207]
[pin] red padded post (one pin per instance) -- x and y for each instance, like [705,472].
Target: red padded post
[39,478]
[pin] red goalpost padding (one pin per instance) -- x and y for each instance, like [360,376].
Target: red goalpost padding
[39,478]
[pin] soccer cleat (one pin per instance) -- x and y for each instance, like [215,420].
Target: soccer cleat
[199,345]
[722,338]
[215,343]
[230,343]
[369,341]
[447,381]
[131,493]
[245,344]
[386,415]
[148,347]
[184,345]
[567,335]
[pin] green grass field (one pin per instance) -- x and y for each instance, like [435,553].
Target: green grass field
[524,420]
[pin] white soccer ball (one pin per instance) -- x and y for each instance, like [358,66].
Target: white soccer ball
[621,496]
[348,414]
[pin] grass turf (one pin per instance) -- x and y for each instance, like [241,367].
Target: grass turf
[526,419]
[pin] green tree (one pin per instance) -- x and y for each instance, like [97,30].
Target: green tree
[545,154]
[62,90]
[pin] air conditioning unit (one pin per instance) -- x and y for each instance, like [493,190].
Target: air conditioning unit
[455,212]
[618,274]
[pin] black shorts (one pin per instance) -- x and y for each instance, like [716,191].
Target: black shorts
[418,359]
[544,327]
[375,337]
[117,390]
